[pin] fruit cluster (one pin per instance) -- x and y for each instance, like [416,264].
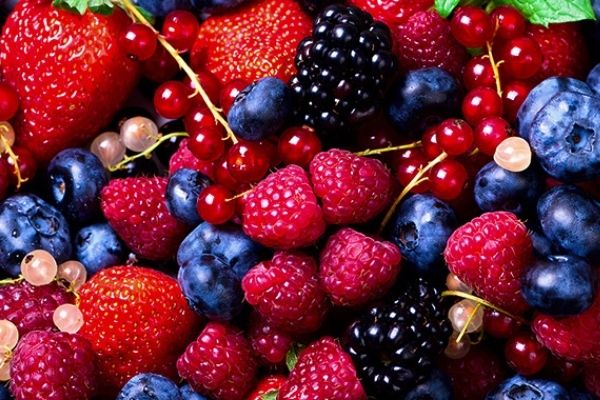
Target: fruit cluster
[299,200]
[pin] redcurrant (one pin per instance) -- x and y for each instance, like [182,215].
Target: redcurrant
[509,22]
[471,26]
[431,147]
[230,92]
[215,204]
[478,72]
[247,162]
[448,179]
[198,118]
[479,103]
[172,99]
[209,82]
[27,164]
[298,145]
[9,102]
[513,95]
[490,132]
[525,354]
[408,169]
[207,144]
[522,58]
[139,41]
[160,67]
[499,325]
[455,136]
[180,28]
[222,175]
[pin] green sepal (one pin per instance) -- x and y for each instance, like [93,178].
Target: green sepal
[545,12]
[445,7]
[76,6]
[291,358]
[270,395]
[104,7]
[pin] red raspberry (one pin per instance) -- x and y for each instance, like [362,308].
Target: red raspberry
[352,189]
[267,385]
[392,12]
[136,209]
[270,345]
[356,269]
[282,211]
[591,375]
[53,365]
[490,254]
[564,50]
[287,293]
[183,158]
[323,372]
[219,364]
[30,307]
[426,41]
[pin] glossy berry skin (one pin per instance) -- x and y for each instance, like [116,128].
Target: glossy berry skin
[480,103]
[522,58]
[188,393]
[210,83]
[500,326]
[509,21]
[148,386]
[525,354]
[222,176]
[198,118]
[247,162]
[139,41]
[267,385]
[525,388]
[454,136]
[431,147]
[219,363]
[513,95]
[490,132]
[9,102]
[161,67]
[97,247]
[180,28]
[75,178]
[437,386]
[269,344]
[229,92]
[407,169]
[171,100]
[28,164]
[478,72]
[298,145]
[214,206]
[471,26]
[448,179]
[182,194]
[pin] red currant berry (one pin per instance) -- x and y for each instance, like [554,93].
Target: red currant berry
[522,58]
[269,146]
[230,92]
[139,41]
[247,162]
[478,72]
[207,144]
[490,132]
[298,145]
[525,354]
[198,118]
[180,28]
[397,157]
[509,22]
[209,82]
[513,96]
[214,205]
[448,179]
[160,67]
[375,135]
[222,175]
[27,164]
[455,136]
[408,169]
[499,325]
[9,102]
[479,103]
[431,147]
[172,99]
[471,26]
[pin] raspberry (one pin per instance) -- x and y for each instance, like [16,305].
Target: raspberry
[30,307]
[323,372]
[287,293]
[591,375]
[490,254]
[282,211]
[352,189]
[426,41]
[183,158]
[53,365]
[356,269]
[270,345]
[392,12]
[219,364]
[267,385]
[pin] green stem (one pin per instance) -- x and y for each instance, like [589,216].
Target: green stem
[372,152]
[483,302]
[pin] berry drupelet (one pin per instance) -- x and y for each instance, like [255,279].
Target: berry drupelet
[343,68]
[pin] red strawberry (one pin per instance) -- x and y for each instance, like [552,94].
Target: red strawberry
[591,376]
[352,189]
[53,365]
[137,321]
[270,344]
[392,12]
[137,211]
[219,364]
[282,211]
[253,41]
[267,385]
[356,269]
[490,254]
[183,158]
[69,71]
[323,372]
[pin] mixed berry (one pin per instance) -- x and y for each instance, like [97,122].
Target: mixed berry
[299,200]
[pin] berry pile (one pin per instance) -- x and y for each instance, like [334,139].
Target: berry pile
[299,200]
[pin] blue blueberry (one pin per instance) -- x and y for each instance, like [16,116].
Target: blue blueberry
[98,246]
[498,189]
[565,137]
[149,387]
[422,97]
[420,228]
[520,388]
[75,178]
[28,223]
[436,387]
[160,8]
[5,394]
[261,109]
[593,78]
[571,220]
[215,5]
[560,285]
[541,244]
[187,393]
[541,95]
[182,194]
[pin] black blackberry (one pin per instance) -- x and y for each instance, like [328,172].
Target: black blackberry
[394,346]
[343,68]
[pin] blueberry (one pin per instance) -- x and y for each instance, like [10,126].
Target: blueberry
[541,244]
[422,97]
[559,285]
[261,109]
[436,387]
[565,137]
[98,246]
[160,8]
[541,95]
[215,5]
[187,393]
[147,386]
[182,194]
[520,388]
[420,228]
[571,220]
[497,189]
[75,178]
[5,394]
[593,78]
[28,223]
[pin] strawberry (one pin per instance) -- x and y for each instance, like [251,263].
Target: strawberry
[69,71]
[137,211]
[253,41]
[137,321]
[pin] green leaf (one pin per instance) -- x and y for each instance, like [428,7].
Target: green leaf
[445,7]
[149,17]
[270,395]
[78,6]
[104,7]
[546,12]
[291,358]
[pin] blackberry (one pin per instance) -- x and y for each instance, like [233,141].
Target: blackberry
[343,68]
[395,345]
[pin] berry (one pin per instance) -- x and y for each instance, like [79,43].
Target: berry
[490,254]
[171,100]
[479,72]
[499,325]
[97,247]
[9,102]
[471,26]
[323,372]
[436,386]
[525,355]
[219,363]
[229,93]
[431,148]
[356,269]
[480,103]
[448,179]
[513,96]
[394,13]
[180,28]
[161,67]
[207,143]
[139,41]
[53,365]
[184,158]
[407,169]
[454,136]
[28,165]
[522,58]
[209,82]
[214,205]
[160,8]
[524,388]
[187,393]
[267,385]
[509,22]
[182,193]
[293,218]
[287,293]
[298,145]
[247,162]
[147,386]
[270,345]
[490,132]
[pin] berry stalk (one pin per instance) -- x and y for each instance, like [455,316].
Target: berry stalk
[15,158]
[146,153]
[373,152]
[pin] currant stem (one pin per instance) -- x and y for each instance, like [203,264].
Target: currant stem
[463,331]
[237,196]
[15,158]
[495,65]
[10,281]
[215,111]
[483,302]
[372,152]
